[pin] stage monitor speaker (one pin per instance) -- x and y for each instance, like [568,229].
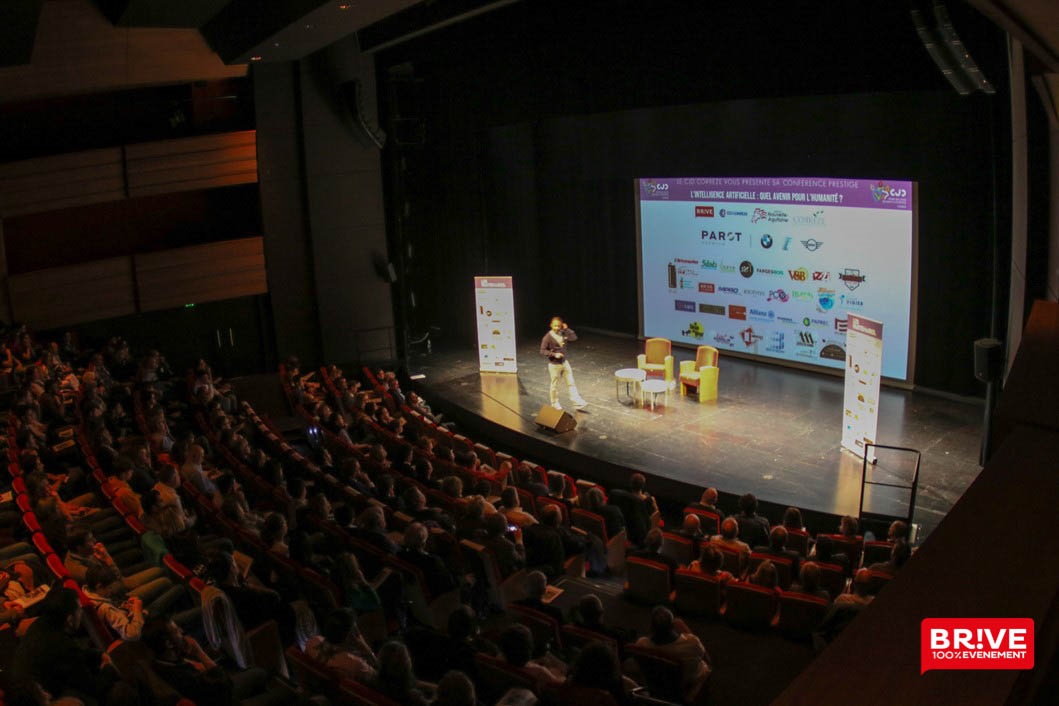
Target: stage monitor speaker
[988,359]
[555,419]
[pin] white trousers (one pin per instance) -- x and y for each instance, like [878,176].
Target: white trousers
[563,370]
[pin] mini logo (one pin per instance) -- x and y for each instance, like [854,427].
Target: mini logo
[841,325]
[821,276]
[799,275]
[682,305]
[766,241]
[694,330]
[812,244]
[746,268]
[709,264]
[806,339]
[825,299]
[704,211]
[715,309]
[707,287]
[749,337]
[729,290]
[851,277]
[833,352]
[778,295]
[737,312]
[722,236]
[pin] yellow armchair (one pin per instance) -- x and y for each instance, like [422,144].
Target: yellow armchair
[701,373]
[657,358]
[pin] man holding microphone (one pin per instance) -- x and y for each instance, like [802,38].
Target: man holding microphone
[553,347]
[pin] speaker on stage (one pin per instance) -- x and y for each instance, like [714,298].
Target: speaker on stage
[988,359]
[555,419]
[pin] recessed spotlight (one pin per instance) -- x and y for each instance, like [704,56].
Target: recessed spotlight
[344,5]
[255,58]
[308,26]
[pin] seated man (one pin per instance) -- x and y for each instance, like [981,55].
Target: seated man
[510,556]
[589,614]
[536,587]
[181,662]
[122,613]
[708,502]
[437,576]
[899,554]
[652,550]
[728,539]
[676,640]
[511,508]
[753,528]
[777,547]
[548,544]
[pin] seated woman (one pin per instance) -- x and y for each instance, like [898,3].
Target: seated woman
[396,679]
[342,648]
[710,562]
[516,646]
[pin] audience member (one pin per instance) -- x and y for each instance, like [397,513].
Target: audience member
[753,528]
[728,540]
[536,588]
[342,647]
[674,639]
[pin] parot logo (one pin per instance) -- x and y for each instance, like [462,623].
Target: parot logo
[722,236]
[704,211]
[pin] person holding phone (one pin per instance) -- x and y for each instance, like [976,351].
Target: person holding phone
[553,347]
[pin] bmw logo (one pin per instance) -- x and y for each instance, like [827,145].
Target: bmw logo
[766,241]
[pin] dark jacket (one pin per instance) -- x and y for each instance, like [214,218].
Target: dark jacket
[550,347]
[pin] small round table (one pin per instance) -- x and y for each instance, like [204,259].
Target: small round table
[633,378]
[653,387]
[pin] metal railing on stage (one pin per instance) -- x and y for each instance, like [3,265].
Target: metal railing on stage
[893,470]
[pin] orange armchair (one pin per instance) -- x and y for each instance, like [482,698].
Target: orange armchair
[701,373]
[657,357]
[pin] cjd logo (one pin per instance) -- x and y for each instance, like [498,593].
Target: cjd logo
[654,188]
[746,268]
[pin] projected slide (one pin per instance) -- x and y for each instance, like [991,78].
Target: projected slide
[771,266]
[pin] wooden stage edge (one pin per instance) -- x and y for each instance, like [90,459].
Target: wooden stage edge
[774,431]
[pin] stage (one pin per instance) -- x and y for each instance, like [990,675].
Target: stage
[773,431]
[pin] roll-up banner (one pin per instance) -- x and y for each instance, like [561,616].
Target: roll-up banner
[864,351]
[494,299]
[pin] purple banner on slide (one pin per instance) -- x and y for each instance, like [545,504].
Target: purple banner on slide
[777,192]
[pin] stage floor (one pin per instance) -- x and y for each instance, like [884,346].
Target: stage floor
[773,431]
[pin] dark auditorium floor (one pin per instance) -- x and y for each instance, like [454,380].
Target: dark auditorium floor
[774,431]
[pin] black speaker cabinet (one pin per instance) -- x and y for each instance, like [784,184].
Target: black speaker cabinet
[555,419]
[988,359]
